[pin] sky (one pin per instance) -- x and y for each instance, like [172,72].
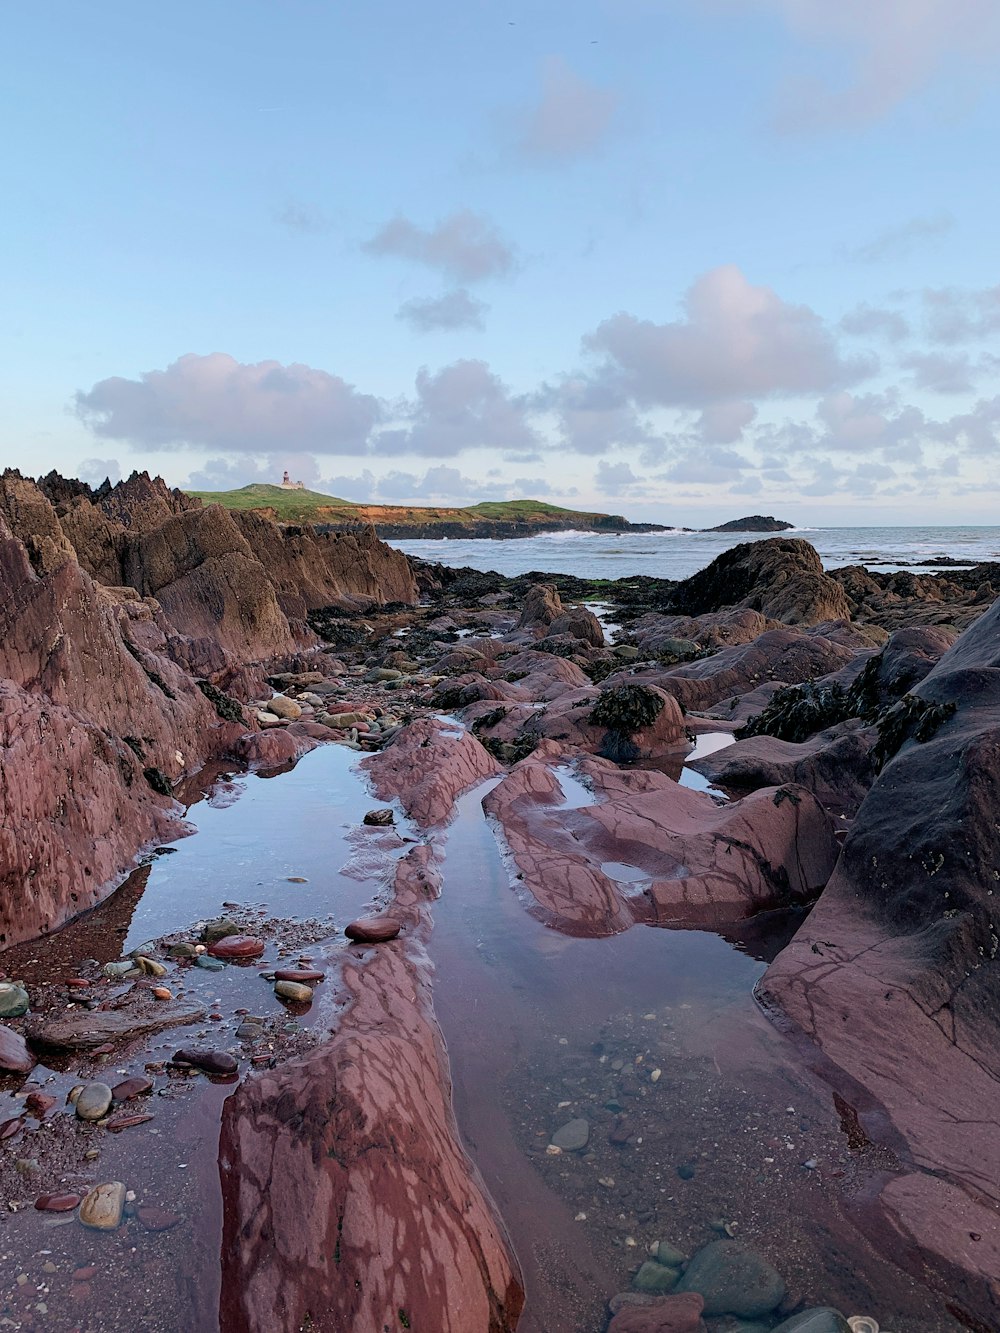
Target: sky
[678,259]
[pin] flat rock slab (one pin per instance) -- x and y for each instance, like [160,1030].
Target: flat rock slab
[136,1086]
[373,929]
[14,1053]
[307,975]
[733,1279]
[78,1030]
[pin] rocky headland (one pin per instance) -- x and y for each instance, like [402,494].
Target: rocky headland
[146,635]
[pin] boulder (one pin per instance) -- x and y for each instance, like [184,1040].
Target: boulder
[733,1279]
[781,577]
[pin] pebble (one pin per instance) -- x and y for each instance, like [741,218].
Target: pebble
[237,946]
[305,974]
[293,992]
[212,1062]
[85,1274]
[208,963]
[573,1136]
[154,1218]
[136,1086]
[250,1031]
[13,999]
[150,966]
[218,929]
[733,1279]
[655,1277]
[14,1053]
[162,993]
[103,1206]
[819,1320]
[373,929]
[38,1104]
[182,950]
[94,1101]
[57,1203]
[126,1120]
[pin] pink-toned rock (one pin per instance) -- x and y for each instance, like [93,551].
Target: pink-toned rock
[237,947]
[373,929]
[273,748]
[304,974]
[38,1104]
[698,862]
[11,1127]
[379,1158]
[154,1218]
[428,767]
[57,1203]
[670,1314]
[14,1054]
[893,975]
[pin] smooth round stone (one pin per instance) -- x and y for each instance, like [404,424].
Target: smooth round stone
[156,1219]
[294,992]
[573,1136]
[308,976]
[13,999]
[669,1255]
[14,1053]
[237,946]
[136,1086]
[202,1057]
[150,966]
[57,1203]
[117,970]
[655,1277]
[283,707]
[373,929]
[103,1206]
[733,1279]
[821,1320]
[182,950]
[250,1031]
[94,1101]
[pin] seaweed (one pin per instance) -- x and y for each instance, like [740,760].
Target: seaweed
[622,711]
[158,780]
[228,708]
[913,719]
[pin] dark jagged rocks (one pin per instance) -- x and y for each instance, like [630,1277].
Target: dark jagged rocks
[753,523]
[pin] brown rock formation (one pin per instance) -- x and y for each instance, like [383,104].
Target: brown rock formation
[781,577]
[428,767]
[348,1198]
[893,976]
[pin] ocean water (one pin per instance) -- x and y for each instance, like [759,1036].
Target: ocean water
[677,554]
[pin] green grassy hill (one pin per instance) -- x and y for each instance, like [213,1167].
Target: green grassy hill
[288,505]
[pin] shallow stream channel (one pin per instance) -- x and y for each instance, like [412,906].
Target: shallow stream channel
[684,1115]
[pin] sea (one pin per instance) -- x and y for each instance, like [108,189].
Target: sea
[676,554]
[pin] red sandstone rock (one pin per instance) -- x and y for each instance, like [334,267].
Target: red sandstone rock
[14,1054]
[136,1086]
[428,767]
[38,1104]
[373,929]
[211,1061]
[304,974]
[379,1158]
[697,862]
[670,1314]
[893,976]
[237,946]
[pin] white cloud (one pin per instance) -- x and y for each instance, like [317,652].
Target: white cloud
[736,341]
[463,406]
[216,402]
[571,117]
[893,49]
[616,479]
[453,310]
[464,246]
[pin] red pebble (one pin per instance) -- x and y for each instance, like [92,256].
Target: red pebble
[10,1127]
[85,1274]
[373,929]
[57,1203]
[304,974]
[125,1120]
[77,983]
[156,1219]
[136,1086]
[237,946]
[38,1104]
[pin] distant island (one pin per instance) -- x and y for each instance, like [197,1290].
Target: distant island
[754,523]
[292,503]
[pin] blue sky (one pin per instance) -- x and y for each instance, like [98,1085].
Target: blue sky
[681,259]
